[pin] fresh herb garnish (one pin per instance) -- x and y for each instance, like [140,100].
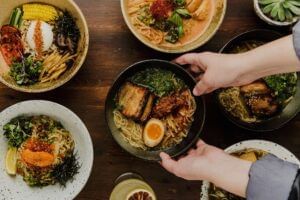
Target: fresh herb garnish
[66,171]
[283,85]
[158,81]
[17,130]
[27,71]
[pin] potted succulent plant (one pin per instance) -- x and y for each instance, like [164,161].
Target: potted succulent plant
[278,12]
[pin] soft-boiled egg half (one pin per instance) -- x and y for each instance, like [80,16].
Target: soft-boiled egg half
[154,132]
[39,31]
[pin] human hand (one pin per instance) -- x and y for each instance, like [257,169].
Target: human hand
[197,165]
[209,163]
[215,70]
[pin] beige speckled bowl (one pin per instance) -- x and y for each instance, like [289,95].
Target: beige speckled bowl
[6,10]
[201,40]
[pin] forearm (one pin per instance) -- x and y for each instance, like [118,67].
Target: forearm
[231,174]
[273,58]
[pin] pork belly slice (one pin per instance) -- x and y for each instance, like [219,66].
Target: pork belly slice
[131,100]
[148,108]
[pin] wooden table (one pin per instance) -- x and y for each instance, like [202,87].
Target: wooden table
[112,48]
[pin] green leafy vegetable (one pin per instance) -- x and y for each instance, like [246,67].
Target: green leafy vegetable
[284,86]
[17,130]
[26,71]
[66,171]
[158,81]
[183,13]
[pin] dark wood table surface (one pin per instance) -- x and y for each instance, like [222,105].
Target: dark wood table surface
[112,48]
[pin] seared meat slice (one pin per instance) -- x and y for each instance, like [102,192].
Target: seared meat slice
[167,105]
[262,106]
[255,88]
[131,100]
[148,108]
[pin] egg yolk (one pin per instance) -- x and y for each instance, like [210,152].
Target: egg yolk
[154,131]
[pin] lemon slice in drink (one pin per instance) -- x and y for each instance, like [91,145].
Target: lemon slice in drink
[140,194]
[11,161]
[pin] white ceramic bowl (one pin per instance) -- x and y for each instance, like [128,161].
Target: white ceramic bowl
[268,20]
[264,145]
[15,187]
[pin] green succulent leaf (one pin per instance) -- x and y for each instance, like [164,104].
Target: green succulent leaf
[286,4]
[281,13]
[294,2]
[295,9]
[275,11]
[266,2]
[267,9]
[288,15]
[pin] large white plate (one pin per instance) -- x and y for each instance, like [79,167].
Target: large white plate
[15,187]
[264,145]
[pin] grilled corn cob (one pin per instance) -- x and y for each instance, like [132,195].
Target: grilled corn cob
[39,12]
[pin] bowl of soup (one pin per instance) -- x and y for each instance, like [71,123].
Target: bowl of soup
[173,26]
[43,43]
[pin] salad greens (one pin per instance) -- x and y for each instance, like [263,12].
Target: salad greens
[26,71]
[158,81]
[17,130]
[280,10]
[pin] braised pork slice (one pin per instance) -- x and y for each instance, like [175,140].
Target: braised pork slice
[167,105]
[131,100]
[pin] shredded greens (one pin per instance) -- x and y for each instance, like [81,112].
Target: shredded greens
[158,81]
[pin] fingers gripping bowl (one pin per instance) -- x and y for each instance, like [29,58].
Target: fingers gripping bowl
[43,44]
[150,109]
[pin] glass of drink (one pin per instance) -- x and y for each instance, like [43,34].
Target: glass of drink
[131,186]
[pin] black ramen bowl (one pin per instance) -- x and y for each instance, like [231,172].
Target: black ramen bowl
[195,129]
[284,116]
